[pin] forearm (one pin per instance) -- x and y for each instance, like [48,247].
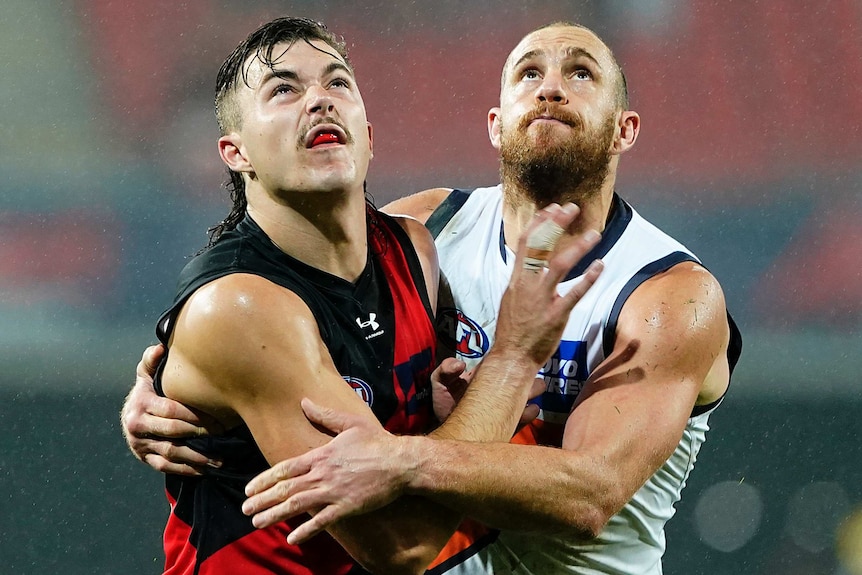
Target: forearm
[494,401]
[403,537]
[527,488]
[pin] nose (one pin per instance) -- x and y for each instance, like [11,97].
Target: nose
[318,101]
[552,89]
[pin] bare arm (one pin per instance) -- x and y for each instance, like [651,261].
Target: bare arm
[669,354]
[154,426]
[261,375]
[258,376]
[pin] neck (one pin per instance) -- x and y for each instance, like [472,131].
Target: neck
[520,205]
[324,230]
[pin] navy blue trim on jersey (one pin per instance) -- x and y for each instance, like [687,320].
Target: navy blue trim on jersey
[645,273]
[734,348]
[461,556]
[620,216]
[444,212]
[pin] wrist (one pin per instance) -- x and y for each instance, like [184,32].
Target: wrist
[416,451]
[509,364]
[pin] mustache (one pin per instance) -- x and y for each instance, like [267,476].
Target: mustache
[303,133]
[552,112]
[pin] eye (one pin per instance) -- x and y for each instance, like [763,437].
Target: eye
[340,83]
[582,74]
[283,89]
[530,74]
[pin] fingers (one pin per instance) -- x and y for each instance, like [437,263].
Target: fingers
[281,471]
[313,526]
[450,369]
[582,285]
[163,465]
[150,361]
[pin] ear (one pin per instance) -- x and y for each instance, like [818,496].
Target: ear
[370,138]
[232,153]
[494,127]
[628,128]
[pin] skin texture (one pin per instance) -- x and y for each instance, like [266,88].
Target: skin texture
[669,353]
[309,199]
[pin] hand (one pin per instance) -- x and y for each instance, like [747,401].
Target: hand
[359,471]
[150,423]
[448,384]
[532,313]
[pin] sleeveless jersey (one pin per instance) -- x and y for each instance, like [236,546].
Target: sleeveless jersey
[477,265]
[381,321]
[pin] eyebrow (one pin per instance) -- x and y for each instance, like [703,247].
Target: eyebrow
[571,52]
[291,75]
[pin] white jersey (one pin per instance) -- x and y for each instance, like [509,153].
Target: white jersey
[476,263]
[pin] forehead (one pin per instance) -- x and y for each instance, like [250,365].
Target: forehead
[559,41]
[300,58]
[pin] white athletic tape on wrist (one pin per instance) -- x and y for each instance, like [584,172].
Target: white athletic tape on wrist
[540,244]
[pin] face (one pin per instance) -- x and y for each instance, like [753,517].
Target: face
[303,125]
[558,124]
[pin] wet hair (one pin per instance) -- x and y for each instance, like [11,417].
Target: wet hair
[622,91]
[260,44]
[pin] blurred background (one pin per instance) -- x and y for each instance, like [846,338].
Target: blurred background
[749,153]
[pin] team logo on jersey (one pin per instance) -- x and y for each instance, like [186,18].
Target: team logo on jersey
[370,323]
[564,374]
[362,389]
[461,334]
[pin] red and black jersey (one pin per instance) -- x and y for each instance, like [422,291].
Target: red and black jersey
[380,334]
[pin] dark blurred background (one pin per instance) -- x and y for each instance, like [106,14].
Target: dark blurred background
[749,153]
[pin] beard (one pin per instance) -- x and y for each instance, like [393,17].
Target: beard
[548,169]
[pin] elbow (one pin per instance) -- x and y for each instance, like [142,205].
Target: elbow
[591,522]
[588,517]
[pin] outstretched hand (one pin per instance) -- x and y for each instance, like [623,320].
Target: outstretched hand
[359,471]
[533,312]
[154,426]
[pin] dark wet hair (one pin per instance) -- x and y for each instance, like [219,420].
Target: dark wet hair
[261,43]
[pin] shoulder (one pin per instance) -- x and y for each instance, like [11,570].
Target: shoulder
[686,296]
[418,206]
[426,251]
[677,324]
[237,314]
[677,317]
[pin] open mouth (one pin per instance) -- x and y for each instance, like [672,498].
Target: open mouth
[324,134]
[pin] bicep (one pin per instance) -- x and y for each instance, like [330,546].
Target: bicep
[270,358]
[635,405]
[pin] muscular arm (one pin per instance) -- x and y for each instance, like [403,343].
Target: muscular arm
[154,426]
[669,354]
[259,374]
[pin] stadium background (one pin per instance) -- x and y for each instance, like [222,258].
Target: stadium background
[749,154]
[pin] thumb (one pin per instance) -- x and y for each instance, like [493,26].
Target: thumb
[150,360]
[450,370]
[329,419]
